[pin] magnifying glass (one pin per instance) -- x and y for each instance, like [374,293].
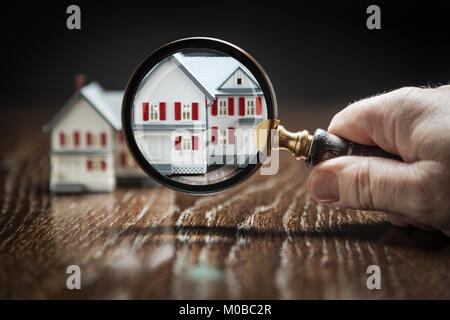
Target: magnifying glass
[200,114]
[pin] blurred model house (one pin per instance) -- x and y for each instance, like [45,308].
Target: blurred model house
[197,111]
[88,152]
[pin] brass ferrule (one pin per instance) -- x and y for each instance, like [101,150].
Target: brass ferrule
[297,143]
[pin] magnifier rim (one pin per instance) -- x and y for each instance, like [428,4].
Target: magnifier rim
[158,56]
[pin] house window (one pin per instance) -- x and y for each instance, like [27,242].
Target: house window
[238,79]
[250,107]
[223,137]
[186,143]
[223,107]
[96,165]
[154,112]
[95,139]
[186,112]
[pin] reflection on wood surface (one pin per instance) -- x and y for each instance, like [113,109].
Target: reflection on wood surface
[263,239]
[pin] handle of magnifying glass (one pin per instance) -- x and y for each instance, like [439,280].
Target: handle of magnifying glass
[325,146]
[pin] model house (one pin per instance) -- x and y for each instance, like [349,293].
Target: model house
[192,112]
[87,146]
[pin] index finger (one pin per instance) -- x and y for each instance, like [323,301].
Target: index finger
[379,120]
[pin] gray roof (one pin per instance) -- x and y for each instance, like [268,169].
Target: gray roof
[211,72]
[107,103]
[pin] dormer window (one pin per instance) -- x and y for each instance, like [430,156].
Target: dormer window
[238,78]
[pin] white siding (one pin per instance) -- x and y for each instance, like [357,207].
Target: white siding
[82,118]
[69,163]
[169,84]
[244,137]
[125,166]
[72,170]
[231,82]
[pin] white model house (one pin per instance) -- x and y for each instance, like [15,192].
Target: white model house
[87,146]
[195,111]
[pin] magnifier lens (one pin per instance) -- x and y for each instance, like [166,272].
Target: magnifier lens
[194,116]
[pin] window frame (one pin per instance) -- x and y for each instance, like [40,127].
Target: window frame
[154,112]
[186,143]
[250,108]
[223,136]
[223,107]
[186,110]
[239,79]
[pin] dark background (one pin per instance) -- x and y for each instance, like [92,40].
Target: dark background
[316,53]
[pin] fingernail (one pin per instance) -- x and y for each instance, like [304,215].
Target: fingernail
[325,186]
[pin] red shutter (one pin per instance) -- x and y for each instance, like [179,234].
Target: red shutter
[89,165]
[103,165]
[194,110]
[178,143]
[123,159]
[258,106]
[103,139]
[230,106]
[145,111]
[194,142]
[231,135]
[76,138]
[162,111]
[214,108]
[242,106]
[62,139]
[214,138]
[177,110]
[122,137]
[88,138]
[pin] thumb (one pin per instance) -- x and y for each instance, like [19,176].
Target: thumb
[370,183]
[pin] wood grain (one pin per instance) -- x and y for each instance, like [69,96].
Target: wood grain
[261,240]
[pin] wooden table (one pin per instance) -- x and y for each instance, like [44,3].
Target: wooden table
[262,240]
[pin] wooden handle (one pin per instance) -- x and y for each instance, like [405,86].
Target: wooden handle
[326,146]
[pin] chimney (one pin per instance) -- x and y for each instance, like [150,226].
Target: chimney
[80,81]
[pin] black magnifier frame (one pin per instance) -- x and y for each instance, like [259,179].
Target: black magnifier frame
[210,44]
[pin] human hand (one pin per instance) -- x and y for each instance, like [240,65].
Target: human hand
[413,123]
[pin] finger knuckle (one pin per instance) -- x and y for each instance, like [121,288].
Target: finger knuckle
[363,183]
[407,95]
